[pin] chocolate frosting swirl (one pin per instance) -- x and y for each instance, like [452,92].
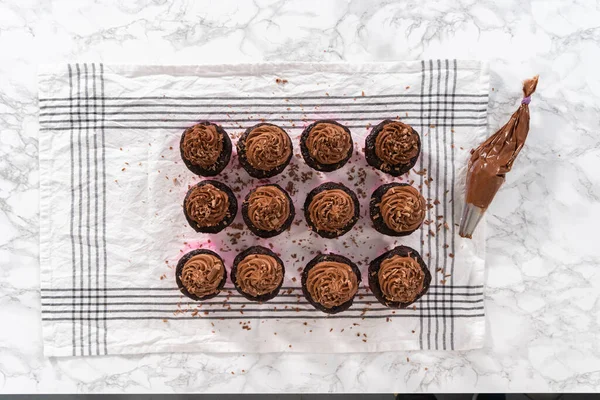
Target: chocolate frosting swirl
[207,205]
[258,274]
[268,208]
[331,283]
[396,144]
[267,147]
[202,274]
[400,279]
[328,143]
[331,210]
[402,208]
[202,145]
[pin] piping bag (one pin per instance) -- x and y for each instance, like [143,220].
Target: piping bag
[491,161]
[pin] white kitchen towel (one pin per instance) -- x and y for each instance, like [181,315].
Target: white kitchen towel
[112,184]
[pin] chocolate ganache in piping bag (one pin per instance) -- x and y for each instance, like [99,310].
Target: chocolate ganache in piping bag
[491,161]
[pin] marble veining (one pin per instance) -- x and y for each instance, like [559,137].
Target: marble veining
[542,279]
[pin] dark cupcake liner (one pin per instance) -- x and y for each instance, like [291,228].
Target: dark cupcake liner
[240,257]
[375,212]
[253,172]
[261,232]
[329,186]
[328,257]
[374,161]
[179,268]
[314,164]
[228,219]
[402,251]
[221,162]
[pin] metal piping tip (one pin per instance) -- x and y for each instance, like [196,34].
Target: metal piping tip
[470,218]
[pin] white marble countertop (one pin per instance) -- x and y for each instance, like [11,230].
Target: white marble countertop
[542,279]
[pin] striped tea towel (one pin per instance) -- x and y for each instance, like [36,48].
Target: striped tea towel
[112,186]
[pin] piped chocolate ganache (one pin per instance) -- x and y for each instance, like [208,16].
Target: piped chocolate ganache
[210,206]
[330,282]
[268,210]
[331,209]
[397,209]
[393,147]
[326,145]
[201,274]
[399,277]
[205,149]
[258,273]
[264,150]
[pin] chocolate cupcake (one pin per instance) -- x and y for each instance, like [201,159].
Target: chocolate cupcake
[205,148]
[268,210]
[330,282]
[201,274]
[257,273]
[399,277]
[393,147]
[397,209]
[326,145]
[210,206]
[264,150]
[331,210]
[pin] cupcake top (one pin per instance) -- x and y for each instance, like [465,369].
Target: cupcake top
[401,279]
[328,143]
[207,205]
[331,283]
[331,210]
[268,207]
[267,147]
[396,143]
[202,275]
[202,145]
[402,208]
[258,274]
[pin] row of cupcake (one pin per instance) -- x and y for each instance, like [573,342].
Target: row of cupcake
[330,282]
[330,210]
[264,150]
